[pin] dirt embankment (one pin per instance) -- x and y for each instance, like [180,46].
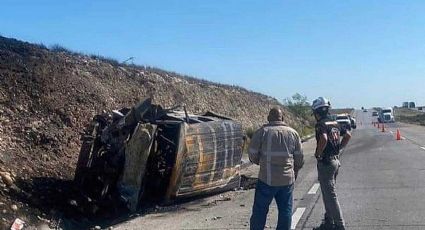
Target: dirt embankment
[47,98]
[410,116]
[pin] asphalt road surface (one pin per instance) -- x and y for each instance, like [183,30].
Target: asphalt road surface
[381,185]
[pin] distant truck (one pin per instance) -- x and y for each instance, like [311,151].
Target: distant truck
[410,105]
[386,115]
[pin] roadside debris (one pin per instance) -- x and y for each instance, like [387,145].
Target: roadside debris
[43,219]
[215,201]
[248,182]
[7,178]
[18,224]
[73,203]
[151,153]
[14,207]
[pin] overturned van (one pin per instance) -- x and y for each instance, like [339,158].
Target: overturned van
[151,153]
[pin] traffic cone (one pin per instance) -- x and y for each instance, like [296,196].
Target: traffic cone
[379,125]
[398,135]
[383,127]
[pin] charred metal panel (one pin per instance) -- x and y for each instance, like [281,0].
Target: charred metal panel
[137,151]
[176,174]
[86,152]
[212,158]
[137,113]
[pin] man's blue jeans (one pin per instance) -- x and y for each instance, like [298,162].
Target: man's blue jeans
[264,195]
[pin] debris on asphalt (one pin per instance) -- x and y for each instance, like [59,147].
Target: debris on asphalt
[223,198]
[215,201]
[217,217]
[248,183]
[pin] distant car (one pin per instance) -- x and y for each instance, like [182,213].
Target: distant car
[365,110]
[375,114]
[344,121]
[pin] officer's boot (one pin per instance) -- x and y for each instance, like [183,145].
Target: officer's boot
[326,225]
[339,227]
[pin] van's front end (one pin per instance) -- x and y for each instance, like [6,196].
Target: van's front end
[387,115]
[388,118]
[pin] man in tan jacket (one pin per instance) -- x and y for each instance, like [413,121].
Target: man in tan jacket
[277,149]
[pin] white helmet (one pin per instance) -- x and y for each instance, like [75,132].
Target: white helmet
[320,103]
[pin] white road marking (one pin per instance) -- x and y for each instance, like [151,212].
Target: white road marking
[314,189]
[391,132]
[296,217]
[423,148]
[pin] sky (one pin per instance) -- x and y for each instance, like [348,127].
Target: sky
[355,52]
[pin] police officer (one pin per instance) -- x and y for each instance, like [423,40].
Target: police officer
[329,145]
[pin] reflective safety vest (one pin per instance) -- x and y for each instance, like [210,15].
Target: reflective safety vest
[277,149]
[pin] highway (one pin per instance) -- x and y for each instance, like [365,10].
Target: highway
[381,185]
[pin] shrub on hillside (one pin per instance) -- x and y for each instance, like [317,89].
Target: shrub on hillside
[299,106]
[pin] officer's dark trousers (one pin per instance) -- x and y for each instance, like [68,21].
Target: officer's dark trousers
[327,172]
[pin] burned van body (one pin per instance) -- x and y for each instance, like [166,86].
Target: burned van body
[149,153]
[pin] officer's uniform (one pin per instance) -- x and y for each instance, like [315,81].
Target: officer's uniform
[327,168]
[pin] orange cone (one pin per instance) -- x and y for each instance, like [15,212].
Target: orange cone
[398,135]
[383,127]
[378,125]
